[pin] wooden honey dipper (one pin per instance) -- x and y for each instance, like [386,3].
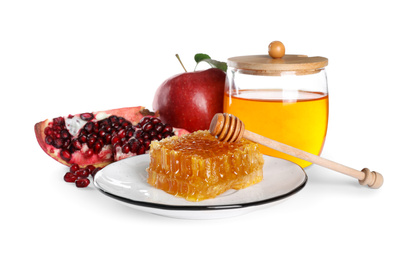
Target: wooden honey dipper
[228,128]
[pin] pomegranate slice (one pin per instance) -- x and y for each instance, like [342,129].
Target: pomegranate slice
[100,138]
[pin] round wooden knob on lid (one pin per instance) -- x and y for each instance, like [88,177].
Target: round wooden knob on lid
[288,63]
[276,49]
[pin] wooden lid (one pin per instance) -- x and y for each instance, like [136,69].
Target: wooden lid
[265,65]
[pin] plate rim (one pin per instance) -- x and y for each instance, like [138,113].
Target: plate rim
[169,207]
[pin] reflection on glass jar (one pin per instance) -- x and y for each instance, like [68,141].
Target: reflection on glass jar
[290,106]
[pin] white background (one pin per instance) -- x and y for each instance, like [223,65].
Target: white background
[62,57]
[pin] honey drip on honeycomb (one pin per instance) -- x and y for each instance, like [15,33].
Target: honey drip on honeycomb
[197,166]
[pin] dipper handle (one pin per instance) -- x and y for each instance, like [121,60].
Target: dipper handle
[228,128]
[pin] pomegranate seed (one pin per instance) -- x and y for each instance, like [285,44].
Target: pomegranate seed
[87,116]
[82,173]
[77,144]
[83,132]
[47,130]
[82,182]
[130,133]
[167,134]
[70,177]
[159,127]
[48,140]
[65,134]
[83,139]
[90,168]
[144,120]
[108,129]
[167,128]
[108,138]
[91,140]
[89,127]
[147,143]
[125,148]
[88,153]
[122,133]
[155,120]
[124,141]
[141,150]
[97,147]
[134,145]
[153,133]
[125,124]
[74,167]
[148,126]
[138,134]
[102,133]
[58,143]
[115,140]
[66,143]
[65,155]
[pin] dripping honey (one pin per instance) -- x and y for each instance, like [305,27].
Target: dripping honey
[297,118]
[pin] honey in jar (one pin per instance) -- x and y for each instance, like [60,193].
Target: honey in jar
[285,99]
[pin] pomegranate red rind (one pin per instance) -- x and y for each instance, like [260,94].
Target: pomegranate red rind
[60,137]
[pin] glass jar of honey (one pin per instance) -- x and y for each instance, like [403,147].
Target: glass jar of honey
[285,99]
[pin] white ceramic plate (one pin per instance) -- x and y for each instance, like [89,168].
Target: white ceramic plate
[126,182]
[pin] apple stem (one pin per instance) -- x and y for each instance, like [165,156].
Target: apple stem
[177,56]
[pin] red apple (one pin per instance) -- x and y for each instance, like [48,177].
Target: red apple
[190,100]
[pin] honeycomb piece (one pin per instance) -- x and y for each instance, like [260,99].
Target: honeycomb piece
[197,166]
